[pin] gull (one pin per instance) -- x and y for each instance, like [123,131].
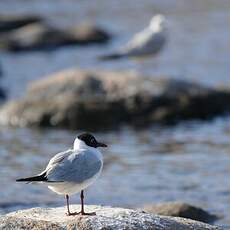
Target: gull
[72,171]
[145,43]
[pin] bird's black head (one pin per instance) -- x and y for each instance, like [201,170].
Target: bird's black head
[90,140]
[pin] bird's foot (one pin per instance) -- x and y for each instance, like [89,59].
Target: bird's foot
[87,213]
[72,213]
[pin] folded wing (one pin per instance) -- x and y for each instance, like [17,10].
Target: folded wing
[42,177]
[76,167]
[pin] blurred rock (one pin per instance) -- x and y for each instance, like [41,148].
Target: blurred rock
[100,100]
[180,209]
[106,218]
[11,22]
[3,95]
[41,36]
[2,91]
[88,33]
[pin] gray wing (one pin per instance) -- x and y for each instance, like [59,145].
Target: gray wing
[58,158]
[142,44]
[75,168]
[145,43]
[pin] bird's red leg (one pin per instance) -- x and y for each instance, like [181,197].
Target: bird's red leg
[67,204]
[82,206]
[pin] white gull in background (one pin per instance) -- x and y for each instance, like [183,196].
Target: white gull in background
[145,43]
[72,171]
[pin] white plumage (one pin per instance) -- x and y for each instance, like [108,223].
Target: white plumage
[145,43]
[74,170]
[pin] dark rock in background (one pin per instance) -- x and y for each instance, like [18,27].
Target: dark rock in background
[181,209]
[11,22]
[100,100]
[3,95]
[42,36]
[2,91]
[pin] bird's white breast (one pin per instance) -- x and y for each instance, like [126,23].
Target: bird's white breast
[70,183]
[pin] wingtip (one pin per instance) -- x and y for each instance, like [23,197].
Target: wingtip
[39,178]
[20,180]
[110,57]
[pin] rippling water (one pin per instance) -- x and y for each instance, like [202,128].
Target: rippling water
[188,162]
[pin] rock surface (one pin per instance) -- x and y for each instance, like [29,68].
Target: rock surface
[97,100]
[107,218]
[180,209]
[42,36]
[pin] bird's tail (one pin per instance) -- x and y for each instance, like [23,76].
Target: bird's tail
[38,178]
[108,57]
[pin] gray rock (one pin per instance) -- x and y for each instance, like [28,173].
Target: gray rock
[11,22]
[87,33]
[96,100]
[2,90]
[107,218]
[3,95]
[41,36]
[180,209]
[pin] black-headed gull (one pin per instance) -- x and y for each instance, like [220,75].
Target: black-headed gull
[74,170]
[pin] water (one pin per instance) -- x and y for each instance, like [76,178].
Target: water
[188,162]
